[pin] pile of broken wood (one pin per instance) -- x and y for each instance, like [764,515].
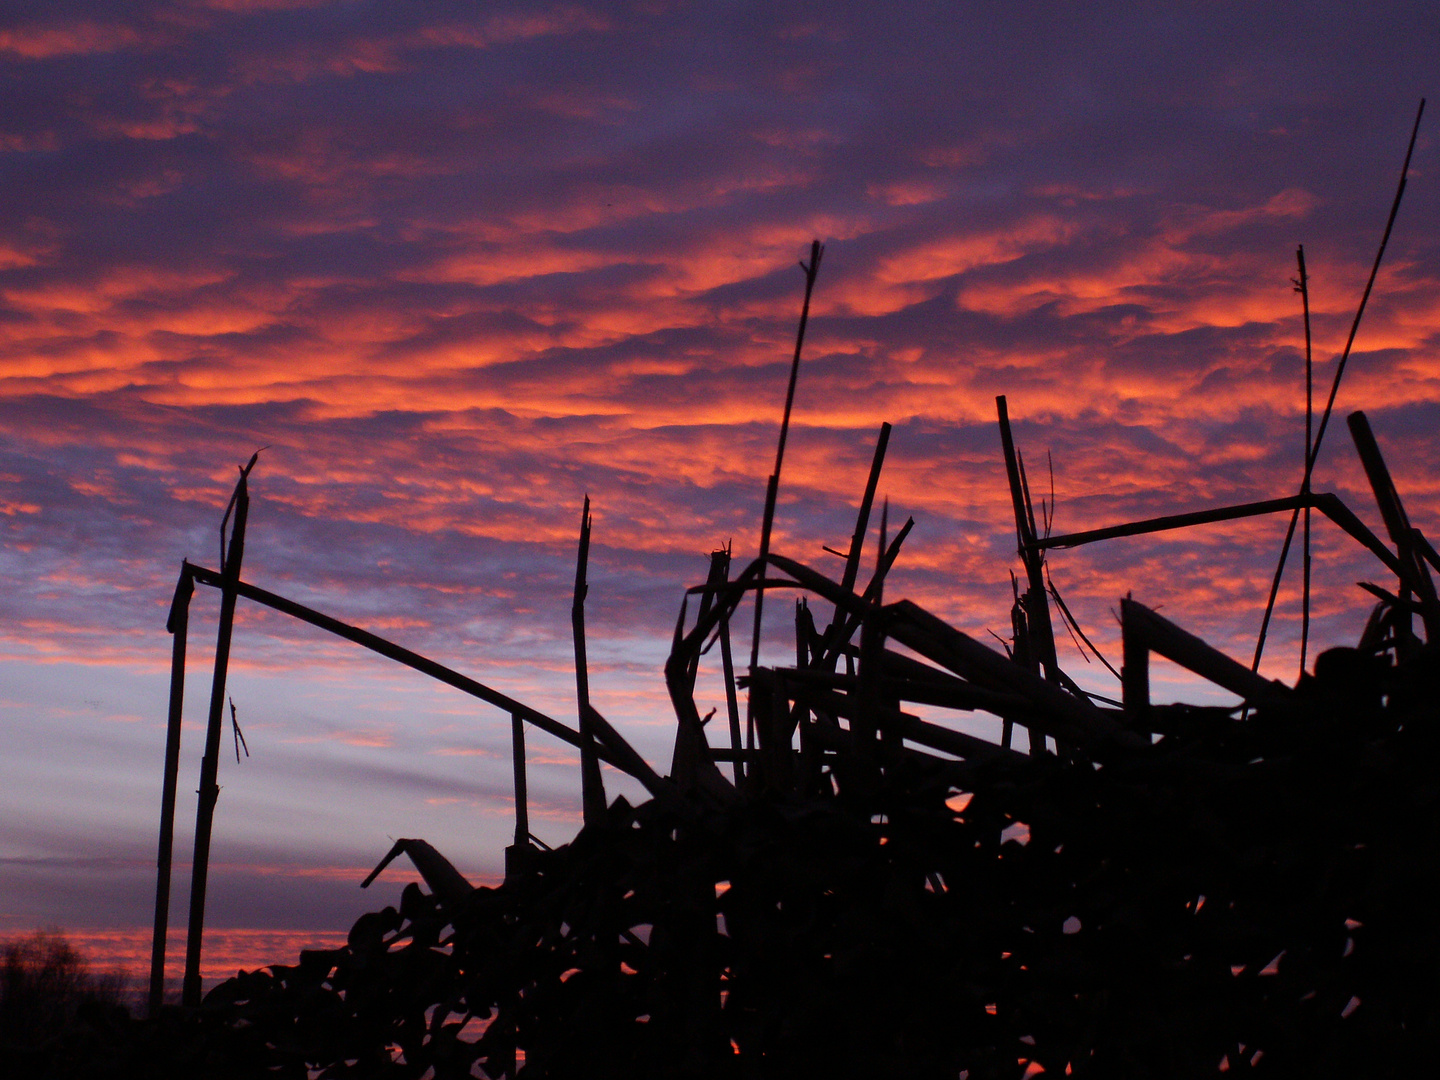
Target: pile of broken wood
[838,885]
[843,888]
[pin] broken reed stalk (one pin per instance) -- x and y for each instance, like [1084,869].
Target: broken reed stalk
[817,249]
[1143,632]
[1314,449]
[209,790]
[720,575]
[872,644]
[1025,487]
[1365,296]
[772,487]
[844,628]
[178,625]
[835,633]
[592,788]
[1326,502]
[1037,604]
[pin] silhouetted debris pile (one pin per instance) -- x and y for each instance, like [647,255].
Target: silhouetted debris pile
[1224,895]
[1147,890]
[842,883]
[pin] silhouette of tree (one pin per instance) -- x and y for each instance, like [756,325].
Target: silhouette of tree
[47,994]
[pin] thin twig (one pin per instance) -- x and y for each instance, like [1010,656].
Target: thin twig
[1365,296]
[1072,621]
[1314,451]
[1050,518]
[1071,631]
[239,735]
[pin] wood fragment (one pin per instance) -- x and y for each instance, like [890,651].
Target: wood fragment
[445,882]
[522,803]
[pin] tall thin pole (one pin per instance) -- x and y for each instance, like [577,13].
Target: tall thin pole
[1302,286]
[178,625]
[1365,296]
[209,764]
[772,488]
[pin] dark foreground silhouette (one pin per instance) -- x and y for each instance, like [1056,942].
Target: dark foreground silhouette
[55,1012]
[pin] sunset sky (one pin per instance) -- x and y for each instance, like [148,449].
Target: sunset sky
[456,265]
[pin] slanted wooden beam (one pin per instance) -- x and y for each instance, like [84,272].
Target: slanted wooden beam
[400,654]
[1056,712]
[1326,502]
[1170,521]
[1146,632]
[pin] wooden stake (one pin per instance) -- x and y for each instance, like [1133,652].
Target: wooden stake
[178,625]
[522,802]
[592,786]
[727,666]
[209,791]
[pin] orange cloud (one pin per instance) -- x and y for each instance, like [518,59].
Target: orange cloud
[79,38]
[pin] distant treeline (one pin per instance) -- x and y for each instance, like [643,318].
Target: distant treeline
[52,1004]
